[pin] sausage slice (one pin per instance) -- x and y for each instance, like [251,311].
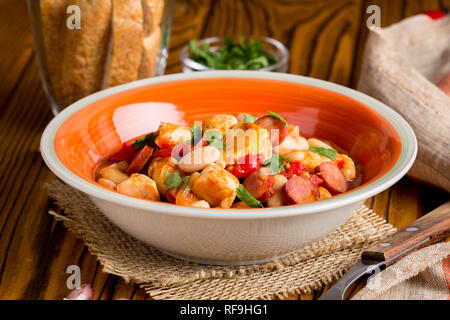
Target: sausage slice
[260,184]
[299,190]
[279,128]
[333,177]
[140,160]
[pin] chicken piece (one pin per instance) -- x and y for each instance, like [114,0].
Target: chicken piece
[246,138]
[215,185]
[171,134]
[186,198]
[348,168]
[158,169]
[140,186]
[221,122]
[309,159]
[293,141]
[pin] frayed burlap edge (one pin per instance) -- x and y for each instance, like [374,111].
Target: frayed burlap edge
[165,277]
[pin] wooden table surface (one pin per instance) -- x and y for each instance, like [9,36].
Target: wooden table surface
[326,39]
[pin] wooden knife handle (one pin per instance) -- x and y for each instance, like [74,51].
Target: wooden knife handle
[434,225]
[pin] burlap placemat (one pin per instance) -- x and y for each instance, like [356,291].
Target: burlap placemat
[165,277]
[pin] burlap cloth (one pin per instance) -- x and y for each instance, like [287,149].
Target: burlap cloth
[164,277]
[422,275]
[400,66]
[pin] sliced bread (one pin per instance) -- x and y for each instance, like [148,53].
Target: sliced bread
[149,56]
[126,43]
[86,49]
[53,17]
[153,11]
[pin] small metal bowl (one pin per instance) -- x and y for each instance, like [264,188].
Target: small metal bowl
[272,46]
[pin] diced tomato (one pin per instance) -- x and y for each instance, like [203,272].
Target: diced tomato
[295,169]
[340,164]
[250,164]
[435,14]
[126,153]
[163,153]
[315,179]
[140,159]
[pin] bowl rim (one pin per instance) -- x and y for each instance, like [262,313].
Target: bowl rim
[400,168]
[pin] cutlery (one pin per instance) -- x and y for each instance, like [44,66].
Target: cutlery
[423,232]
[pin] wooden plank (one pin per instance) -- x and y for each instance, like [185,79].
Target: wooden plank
[326,39]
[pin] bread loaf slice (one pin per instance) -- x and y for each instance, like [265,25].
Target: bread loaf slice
[149,56]
[86,49]
[153,11]
[53,17]
[126,43]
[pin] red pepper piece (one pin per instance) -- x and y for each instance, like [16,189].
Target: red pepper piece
[126,153]
[295,169]
[247,166]
[140,159]
[315,179]
[340,164]
[163,153]
[435,14]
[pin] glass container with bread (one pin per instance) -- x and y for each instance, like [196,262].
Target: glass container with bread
[85,46]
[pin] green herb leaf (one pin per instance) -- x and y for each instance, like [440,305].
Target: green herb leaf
[214,138]
[275,164]
[249,118]
[173,180]
[147,140]
[232,56]
[185,181]
[329,153]
[283,158]
[247,198]
[276,115]
[196,134]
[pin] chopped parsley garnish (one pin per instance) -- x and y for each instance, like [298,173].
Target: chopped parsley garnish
[196,134]
[232,56]
[147,140]
[276,115]
[214,138]
[275,163]
[249,118]
[329,153]
[173,180]
[185,181]
[247,198]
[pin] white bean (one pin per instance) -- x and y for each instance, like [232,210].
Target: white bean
[198,159]
[113,174]
[107,183]
[122,166]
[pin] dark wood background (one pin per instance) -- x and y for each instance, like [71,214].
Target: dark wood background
[326,39]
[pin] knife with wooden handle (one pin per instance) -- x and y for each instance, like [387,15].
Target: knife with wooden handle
[423,232]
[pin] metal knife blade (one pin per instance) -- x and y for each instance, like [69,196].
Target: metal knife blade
[427,230]
[360,269]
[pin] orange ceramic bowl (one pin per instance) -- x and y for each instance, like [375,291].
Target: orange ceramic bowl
[83,134]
